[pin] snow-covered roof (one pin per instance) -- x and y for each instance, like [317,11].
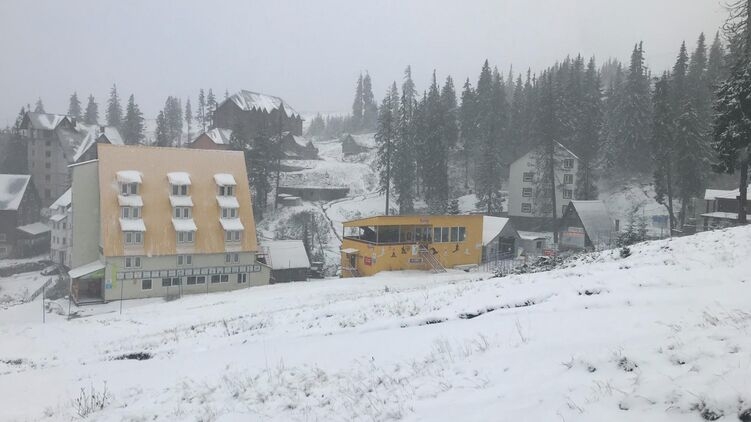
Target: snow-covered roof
[45,121]
[350,251]
[301,141]
[34,228]
[722,215]
[130,201]
[85,136]
[492,227]
[286,254]
[224,179]
[227,202]
[220,136]
[58,218]
[12,189]
[534,235]
[712,194]
[248,100]
[184,225]
[129,176]
[86,269]
[595,218]
[132,225]
[180,201]
[63,201]
[178,178]
[231,224]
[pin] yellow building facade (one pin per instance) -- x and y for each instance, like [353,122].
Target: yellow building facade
[419,242]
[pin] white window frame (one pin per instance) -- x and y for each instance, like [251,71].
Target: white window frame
[229,213]
[226,191]
[186,237]
[184,260]
[133,238]
[568,194]
[528,176]
[527,192]
[568,179]
[179,190]
[242,278]
[568,163]
[132,262]
[527,207]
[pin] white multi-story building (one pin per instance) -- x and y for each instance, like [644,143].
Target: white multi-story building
[527,198]
[61,227]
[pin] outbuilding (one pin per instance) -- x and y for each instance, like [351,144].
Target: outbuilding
[288,260]
[585,225]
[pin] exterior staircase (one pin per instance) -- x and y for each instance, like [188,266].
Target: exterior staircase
[431,260]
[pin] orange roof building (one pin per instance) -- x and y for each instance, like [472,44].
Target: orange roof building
[151,221]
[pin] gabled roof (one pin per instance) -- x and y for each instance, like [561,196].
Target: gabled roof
[63,200]
[712,194]
[219,136]
[249,100]
[558,145]
[91,134]
[594,217]
[12,189]
[286,254]
[492,227]
[45,121]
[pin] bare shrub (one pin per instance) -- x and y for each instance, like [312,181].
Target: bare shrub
[91,400]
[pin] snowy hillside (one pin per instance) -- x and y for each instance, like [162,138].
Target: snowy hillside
[661,335]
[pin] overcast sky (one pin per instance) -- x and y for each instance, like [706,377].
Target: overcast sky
[310,51]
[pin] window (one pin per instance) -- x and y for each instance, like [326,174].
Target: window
[436,234]
[455,234]
[563,209]
[462,234]
[129,188]
[568,163]
[184,237]
[2,237]
[179,190]
[538,244]
[145,284]
[229,212]
[64,241]
[47,142]
[166,282]
[201,279]
[242,278]
[133,262]
[47,178]
[131,212]
[191,280]
[568,194]
[445,234]
[48,154]
[528,177]
[214,279]
[231,257]
[226,190]
[184,260]
[225,278]
[526,207]
[182,212]
[133,238]
[568,179]
[232,236]
[526,192]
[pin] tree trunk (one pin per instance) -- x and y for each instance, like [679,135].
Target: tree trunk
[743,188]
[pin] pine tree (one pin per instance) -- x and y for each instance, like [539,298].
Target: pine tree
[92,112]
[612,119]
[404,161]
[162,132]
[435,163]
[633,133]
[468,129]
[546,157]
[226,94]
[317,126]
[370,108]
[357,106]
[716,69]
[691,157]
[188,118]
[588,133]
[132,128]
[74,107]
[385,138]
[663,140]
[453,208]
[39,107]
[450,109]
[114,109]
[210,108]
[491,114]
[173,116]
[517,118]
[201,112]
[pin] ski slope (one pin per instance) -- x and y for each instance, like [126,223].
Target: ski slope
[661,335]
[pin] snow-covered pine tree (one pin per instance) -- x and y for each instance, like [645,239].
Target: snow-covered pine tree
[435,152]
[404,173]
[517,118]
[612,118]
[74,106]
[39,106]
[369,106]
[385,137]
[357,106]
[173,116]
[201,112]
[188,118]
[468,129]
[450,109]
[691,157]
[588,133]
[633,133]
[92,112]
[132,128]
[663,140]
[210,108]
[317,126]
[488,163]
[114,108]
[162,133]
[716,69]
[453,208]
[732,126]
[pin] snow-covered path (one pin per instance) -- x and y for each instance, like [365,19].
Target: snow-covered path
[662,335]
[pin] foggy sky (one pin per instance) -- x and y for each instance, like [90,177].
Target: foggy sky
[310,51]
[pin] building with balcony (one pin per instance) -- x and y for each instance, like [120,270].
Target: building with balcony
[162,222]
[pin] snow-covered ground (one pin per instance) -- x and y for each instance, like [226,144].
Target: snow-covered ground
[19,287]
[661,335]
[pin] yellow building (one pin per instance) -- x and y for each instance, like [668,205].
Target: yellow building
[424,242]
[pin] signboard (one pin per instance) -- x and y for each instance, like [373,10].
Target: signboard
[415,260]
[368,260]
[549,252]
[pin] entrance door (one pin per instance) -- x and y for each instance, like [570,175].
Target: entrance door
[353,261]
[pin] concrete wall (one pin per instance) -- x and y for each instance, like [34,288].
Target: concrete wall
[53,181]
[128,281]
[85,215]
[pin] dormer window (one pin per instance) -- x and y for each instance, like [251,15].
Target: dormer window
[130,212]
[226,183]
[180,190]
[182,212]
[129,189]
[229,212]
[232,236]
[185,237]
[226,191]
[129,181]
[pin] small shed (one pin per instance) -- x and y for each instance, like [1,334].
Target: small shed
[585,225]
[288,260]
[499,239]
[534,244]
[351,147]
